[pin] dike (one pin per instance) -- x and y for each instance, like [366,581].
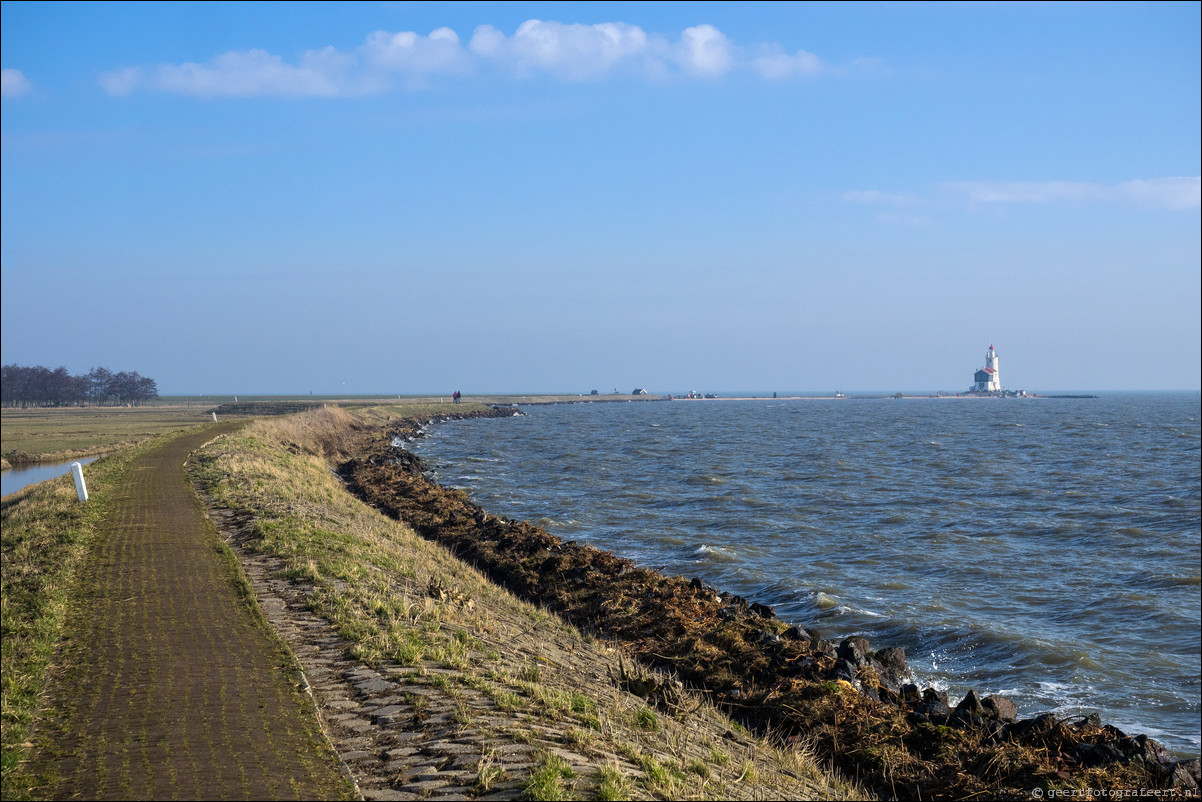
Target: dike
[854,706]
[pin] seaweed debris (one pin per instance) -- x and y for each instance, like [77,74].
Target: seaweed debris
[854,706]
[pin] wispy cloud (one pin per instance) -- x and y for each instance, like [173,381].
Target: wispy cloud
[1173,193]
[877,197]
[1169,193]
[14,84]
[321,73]
[564,51]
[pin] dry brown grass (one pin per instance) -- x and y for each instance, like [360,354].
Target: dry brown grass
[409,604]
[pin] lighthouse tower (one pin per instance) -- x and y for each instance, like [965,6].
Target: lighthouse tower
[987,379]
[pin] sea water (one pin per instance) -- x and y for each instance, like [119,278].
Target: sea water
[1044,549]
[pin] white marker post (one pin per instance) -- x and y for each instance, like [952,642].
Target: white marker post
[81,489]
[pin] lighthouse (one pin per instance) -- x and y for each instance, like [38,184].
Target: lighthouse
[987,379]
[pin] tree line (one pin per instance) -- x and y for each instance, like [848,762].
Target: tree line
[36,386]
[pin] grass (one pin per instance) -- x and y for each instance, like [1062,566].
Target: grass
[57,434]
[612,785]
[54,434]
[659,778]
[401,600]
[645,719]
[549,779]
[488,773]
[353,555]
[372,578]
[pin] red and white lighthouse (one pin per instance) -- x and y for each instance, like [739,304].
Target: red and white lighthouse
[987,379]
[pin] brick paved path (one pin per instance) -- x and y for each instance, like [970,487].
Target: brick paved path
[168,686]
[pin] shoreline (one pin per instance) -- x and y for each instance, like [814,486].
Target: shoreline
[434,681]
[795,677]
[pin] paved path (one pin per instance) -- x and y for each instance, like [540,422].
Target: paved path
[168,687]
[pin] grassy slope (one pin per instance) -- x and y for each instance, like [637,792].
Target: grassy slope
[403,601]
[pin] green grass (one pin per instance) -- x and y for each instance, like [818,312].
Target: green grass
[645,719]
[612,786]
[658,777]
[549,779]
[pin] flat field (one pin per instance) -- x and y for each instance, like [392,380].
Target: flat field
[48,434]
[56,434]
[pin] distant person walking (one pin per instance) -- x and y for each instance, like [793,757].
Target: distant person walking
[456,396]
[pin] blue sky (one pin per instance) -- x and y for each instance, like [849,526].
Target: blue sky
[526,197]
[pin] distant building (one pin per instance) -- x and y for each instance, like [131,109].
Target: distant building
[987,379]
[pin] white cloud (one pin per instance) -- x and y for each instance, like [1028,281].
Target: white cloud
[572,52]
[14,84]
[415,55]
[1172,193]
[782,65]
[877,197]
[321,73]
[569,52]
[1168,193]
[705,50]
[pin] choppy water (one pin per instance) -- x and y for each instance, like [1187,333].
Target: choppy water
[1044,549]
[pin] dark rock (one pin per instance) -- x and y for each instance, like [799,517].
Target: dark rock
[966,719]
[970,704]
[932,695]
[995,731]
[1032,729]
[1141,747]
[768,638]
[762,610]
[999,707]
[855,650]
[934,708]
[795,633]
[844,669]
[894,670]
[806,667]
[1113,733]
[1184,775]
[1097,754]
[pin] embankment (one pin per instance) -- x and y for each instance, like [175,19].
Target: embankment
[854,704]
[434,682]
